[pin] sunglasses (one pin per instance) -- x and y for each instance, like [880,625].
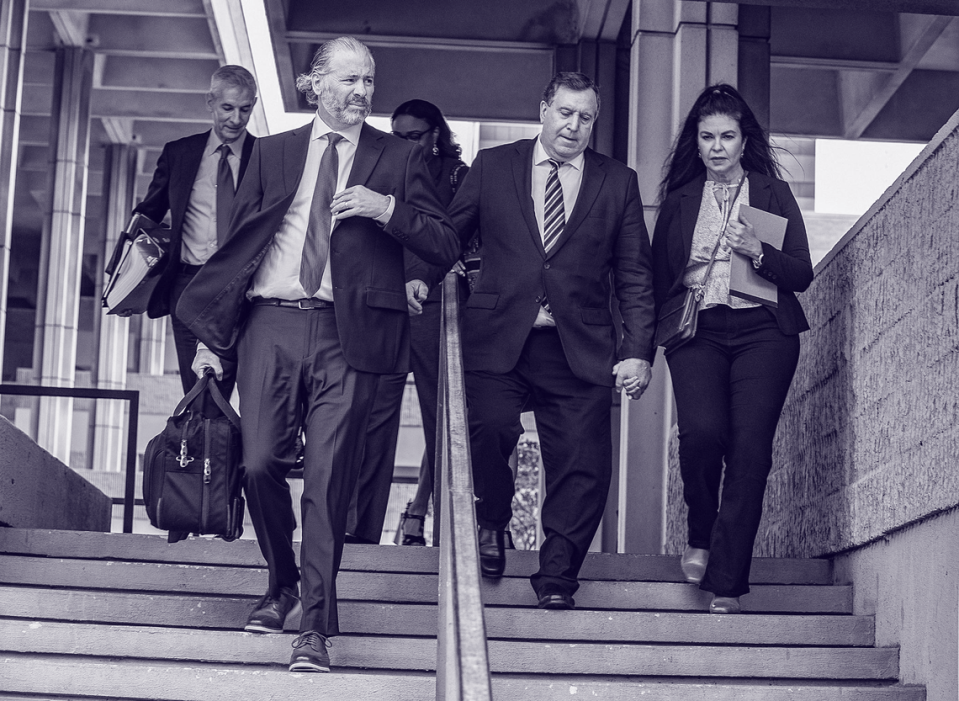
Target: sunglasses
[410,135]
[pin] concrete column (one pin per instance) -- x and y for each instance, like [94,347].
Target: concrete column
[754,68]
[152,345]
[678,48]
[13,28]
[62,247]
[118,187]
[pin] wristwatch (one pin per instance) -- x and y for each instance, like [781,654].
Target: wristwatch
[758,262]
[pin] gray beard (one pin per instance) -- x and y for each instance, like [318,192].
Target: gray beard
[344,113]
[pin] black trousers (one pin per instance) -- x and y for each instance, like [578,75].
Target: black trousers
[185,341]
[425,362]
[730,384]
[372,495]
[292,374]
[573,420]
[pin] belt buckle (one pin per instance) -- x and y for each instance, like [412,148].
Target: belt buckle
[305,304]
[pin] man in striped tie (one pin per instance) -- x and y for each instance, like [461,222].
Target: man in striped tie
[558,223]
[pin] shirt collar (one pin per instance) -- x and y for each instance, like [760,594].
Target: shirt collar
[540,157]
[213,143]
[351,134]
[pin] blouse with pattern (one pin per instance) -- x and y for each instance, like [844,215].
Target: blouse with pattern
[708,225]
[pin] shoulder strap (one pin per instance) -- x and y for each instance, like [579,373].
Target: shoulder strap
[722,229]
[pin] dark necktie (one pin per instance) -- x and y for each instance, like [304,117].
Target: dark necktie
[317,244]
[225,190]
[554,216]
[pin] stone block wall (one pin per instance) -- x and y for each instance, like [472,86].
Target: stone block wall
[869,439]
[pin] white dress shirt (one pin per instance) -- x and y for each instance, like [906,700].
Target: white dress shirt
[278,276]
[570,178]
[199,220]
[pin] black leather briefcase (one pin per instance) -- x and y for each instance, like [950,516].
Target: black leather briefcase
[191,473]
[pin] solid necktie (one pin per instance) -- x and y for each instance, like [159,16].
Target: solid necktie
[225,189]
[554,216]
[316,247]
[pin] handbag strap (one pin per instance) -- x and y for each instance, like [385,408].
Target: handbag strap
[203,384]
[722,231]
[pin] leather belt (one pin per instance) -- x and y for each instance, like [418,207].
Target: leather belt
[310,303]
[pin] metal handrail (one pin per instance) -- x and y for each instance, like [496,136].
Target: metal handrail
[462,659]
[127,395]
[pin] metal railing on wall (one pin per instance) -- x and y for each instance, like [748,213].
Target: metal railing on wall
[127,395]
[462,659]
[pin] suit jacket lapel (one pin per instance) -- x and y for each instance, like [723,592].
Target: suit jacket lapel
[522,181]
[594,174]
[759,194]
[368,151]
[294,156]
[190,166]
[245,156]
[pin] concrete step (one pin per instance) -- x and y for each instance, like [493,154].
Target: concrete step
[85,615]
[407,588]
[27,676]
[404,653]
[73,677]
[368,618]
[381,558]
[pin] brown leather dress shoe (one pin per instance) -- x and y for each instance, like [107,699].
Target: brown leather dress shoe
[492,552]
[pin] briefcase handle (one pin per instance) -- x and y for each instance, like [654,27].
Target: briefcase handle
[202,385]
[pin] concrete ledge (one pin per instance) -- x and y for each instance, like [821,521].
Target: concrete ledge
[909,581]
[38,491]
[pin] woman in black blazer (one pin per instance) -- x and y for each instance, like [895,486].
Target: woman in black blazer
[424,123]
[730,381]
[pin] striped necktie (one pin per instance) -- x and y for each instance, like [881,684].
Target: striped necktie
[554,216]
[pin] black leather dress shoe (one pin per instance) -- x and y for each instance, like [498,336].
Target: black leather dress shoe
[552,597]
[492,552]
[271,612]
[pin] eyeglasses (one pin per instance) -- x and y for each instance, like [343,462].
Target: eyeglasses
[410,135]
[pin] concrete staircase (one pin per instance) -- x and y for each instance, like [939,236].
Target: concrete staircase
[92,616]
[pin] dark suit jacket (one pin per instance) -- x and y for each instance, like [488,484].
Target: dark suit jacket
[605,239]
[170,192]
[366,259]
[790,269]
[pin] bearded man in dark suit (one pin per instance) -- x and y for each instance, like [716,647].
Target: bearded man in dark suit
[557,222]
[195,181]
[310,290]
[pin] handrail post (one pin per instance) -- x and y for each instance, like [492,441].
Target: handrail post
[129,494]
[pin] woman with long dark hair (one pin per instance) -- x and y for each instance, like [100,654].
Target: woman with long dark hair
[423,122]
[731,379]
